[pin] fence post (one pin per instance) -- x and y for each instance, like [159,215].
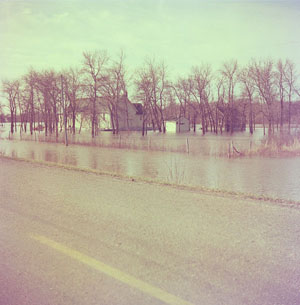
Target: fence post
[187,146]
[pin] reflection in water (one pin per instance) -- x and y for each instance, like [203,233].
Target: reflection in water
[262,176]
[50,156]
[69,159]
[14,154]
[93,161]
[32,154]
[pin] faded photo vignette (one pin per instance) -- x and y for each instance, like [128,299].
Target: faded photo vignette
[149,152]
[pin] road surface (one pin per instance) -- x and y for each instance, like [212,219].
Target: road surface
[69,237]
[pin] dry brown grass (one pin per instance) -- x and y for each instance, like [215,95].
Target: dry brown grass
[276,146]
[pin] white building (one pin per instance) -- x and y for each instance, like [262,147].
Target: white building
[182,125]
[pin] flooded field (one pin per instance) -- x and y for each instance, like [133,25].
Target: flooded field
[167,159]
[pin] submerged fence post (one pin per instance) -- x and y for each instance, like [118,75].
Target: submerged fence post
[187,146]
[149,143]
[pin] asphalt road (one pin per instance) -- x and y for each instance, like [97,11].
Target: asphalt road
[68,237]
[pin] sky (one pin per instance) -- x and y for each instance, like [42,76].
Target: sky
[46,34]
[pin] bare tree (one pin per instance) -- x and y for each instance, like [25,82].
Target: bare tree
[94,65]
[152,82]
[220,107]
[23,105]
[11,90]
[2,115]
[201,90]
[290,79]
[183,93]
[115,93]
[143,89]
[249,91]
[30,80]
[73,92]
[52,83]
[212,99]
[230,74]
[157,73]
[263,76]
[280,83]
[43,97]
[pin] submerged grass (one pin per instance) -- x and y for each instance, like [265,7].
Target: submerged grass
[275,146]
[200,189]
[120,141]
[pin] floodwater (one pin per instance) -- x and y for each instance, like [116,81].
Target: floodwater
[184,159]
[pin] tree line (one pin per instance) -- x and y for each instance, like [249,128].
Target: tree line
[227,99]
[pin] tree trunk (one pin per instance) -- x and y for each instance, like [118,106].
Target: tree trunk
[12,122]
[73,121]
[250,117]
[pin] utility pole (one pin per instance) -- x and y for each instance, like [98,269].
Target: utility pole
[64,109]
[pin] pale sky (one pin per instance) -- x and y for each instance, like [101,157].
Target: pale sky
[54,33]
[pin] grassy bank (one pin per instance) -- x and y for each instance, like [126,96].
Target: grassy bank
[199,189]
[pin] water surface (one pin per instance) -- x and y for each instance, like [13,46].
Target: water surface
[276,177]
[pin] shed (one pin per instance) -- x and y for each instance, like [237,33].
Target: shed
[182,125]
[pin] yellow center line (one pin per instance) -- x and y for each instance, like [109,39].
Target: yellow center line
[112,272]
